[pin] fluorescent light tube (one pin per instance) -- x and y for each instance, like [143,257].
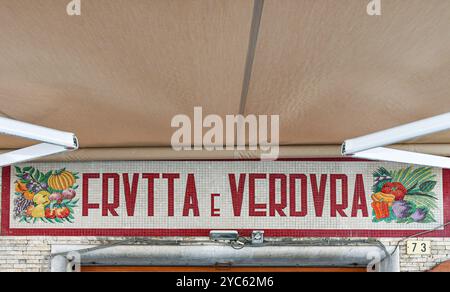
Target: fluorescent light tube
[394,155]
[30,153]
[398,134]
[369,146]
[38,133]
[54,141]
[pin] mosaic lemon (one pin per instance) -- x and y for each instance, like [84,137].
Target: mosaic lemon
[41,198]
[38,211]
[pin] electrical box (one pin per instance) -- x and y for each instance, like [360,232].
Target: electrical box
[226,235]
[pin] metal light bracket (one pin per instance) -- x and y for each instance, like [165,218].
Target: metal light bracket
[257,237]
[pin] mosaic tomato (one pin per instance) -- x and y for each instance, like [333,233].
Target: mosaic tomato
[396,189]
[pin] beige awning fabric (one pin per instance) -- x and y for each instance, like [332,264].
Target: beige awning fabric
[117,74]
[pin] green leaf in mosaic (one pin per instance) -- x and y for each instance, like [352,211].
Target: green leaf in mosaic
[48,174]
[422,201]
[412,178]
[404,174]
[381,172]
[427,186]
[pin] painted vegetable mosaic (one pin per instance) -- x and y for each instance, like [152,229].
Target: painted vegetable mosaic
[404,196]
[45,197]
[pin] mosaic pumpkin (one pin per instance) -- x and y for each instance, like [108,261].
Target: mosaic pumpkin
[61,180]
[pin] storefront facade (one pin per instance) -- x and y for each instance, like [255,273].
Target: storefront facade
[314,214]
[126,80]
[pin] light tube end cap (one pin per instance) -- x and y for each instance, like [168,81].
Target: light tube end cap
[343,151]
[75,145]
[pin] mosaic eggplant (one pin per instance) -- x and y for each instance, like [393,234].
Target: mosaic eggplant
[419,215]
[401,209]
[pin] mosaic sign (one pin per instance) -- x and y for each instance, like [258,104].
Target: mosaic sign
[324,198]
